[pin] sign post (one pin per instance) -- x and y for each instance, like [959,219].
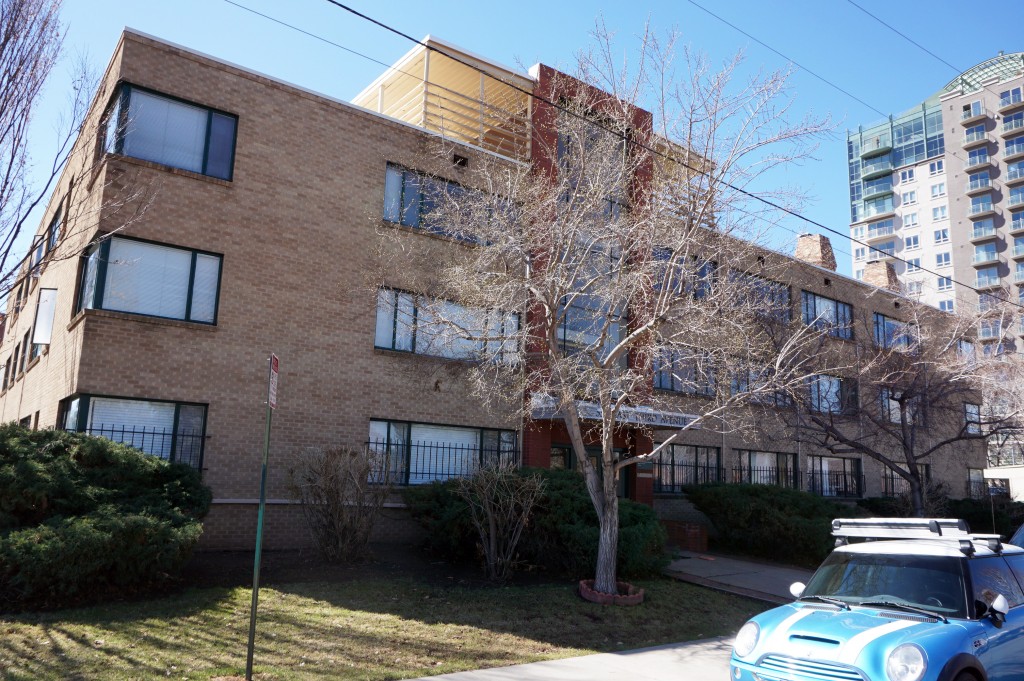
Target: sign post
[271,406]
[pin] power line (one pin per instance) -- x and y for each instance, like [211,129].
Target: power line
[628,140]
[905,37]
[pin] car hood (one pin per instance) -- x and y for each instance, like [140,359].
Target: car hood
[827,633]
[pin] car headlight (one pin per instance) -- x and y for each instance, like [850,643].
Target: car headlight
[746,639]
[906,663]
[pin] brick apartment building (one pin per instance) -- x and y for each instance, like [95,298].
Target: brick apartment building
[263,212]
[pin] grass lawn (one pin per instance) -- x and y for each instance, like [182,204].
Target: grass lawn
[367,628]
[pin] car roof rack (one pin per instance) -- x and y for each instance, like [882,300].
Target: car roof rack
[952,529]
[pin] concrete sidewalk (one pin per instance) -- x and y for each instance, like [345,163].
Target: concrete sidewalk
[707,659]
[764,581]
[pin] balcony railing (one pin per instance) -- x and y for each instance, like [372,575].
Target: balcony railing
[979,209]
[983,232]
[882,231]
[973,112]
[1014,173]
[876,145]
[418,463]
[1013,124]
[985,256]
[986,282]
[1012,151]
[670,477]
[836,484]
[781,477]
[873,167]
[977,185]
[977,161]
[184,447]
[894,484]
[1013,99]
[975,137]
[1018,276]
[1015,201]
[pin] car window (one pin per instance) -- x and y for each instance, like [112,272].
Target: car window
[991,576]
[1016,563]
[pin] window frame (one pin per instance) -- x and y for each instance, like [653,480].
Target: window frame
[843,326]
[102,247]
[119,105]
[849,400]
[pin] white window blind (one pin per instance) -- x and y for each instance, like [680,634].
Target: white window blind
[43,328]
[439,452]
[204,288]
[148,426]
[165,131]
[147,279]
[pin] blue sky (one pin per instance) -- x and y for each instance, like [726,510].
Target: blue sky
[832,38]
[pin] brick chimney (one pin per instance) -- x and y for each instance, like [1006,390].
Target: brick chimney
[817,250]
[882,274]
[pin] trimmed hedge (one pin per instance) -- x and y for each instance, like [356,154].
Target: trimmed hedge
[561,536]
[1009,515]
[770,522]
[83,518]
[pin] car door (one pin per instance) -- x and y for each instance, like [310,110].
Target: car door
[1001,646]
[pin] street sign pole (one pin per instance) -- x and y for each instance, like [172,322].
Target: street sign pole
[271,406]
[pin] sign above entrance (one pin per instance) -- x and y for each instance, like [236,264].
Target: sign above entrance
[544,407]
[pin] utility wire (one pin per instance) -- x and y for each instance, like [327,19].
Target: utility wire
[628,140]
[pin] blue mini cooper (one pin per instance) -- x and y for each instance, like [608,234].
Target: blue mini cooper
[898,600]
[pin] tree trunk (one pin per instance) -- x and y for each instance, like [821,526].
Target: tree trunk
[605,580]
[917,496]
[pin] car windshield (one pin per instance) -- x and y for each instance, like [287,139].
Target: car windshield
[935,583]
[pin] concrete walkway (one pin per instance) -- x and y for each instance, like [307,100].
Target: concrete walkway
[707,659]
[764,581]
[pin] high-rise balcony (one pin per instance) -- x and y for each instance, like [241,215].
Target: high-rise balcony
[1017,225]
[875,167]
[1014,151]
[877,191]
[986,282]
[873,146]
[973,114]
[1014,175]
[1018,276]
[1011,125]
[982,232]
[880,232]
[986,257]
[977,163]
[974,139]
[1015,202]
[978,210]
[1018,252]
[1012,101]
[978,186]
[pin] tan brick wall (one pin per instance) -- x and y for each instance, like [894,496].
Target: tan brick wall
[299,228]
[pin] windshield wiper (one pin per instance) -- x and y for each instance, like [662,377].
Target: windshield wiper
[826,599]
[908,607]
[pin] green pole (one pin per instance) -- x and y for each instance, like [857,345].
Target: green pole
[271,403]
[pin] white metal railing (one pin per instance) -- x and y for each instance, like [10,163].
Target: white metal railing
[980,208]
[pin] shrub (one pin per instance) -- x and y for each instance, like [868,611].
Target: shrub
[771,522]
[82,518]
[561,535]
[341,495]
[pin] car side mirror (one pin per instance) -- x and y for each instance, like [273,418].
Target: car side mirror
[1000,606]
[797,589]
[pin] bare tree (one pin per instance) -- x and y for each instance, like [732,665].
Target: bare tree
[620,251]
[919,391]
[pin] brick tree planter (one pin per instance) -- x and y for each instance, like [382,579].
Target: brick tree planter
[628,594]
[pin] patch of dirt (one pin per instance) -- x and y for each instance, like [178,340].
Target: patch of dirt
[235,568]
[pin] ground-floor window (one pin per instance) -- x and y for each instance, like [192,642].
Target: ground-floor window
[834,476]
[563,458]
[894,484]
[767,468]
[418,453]
[175,431]
[679,465]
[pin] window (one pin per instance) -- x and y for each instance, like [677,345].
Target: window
[1008,97]
[768,468]
[907,175]
[1013,121]
[942,260]
[53,232]
[896,405]
[153,127]
[973,109]
[829,314]
[751,380]
[420,453]
[972,418]
[939,213]
[975,133]
[833,476]
[768,297]
[944,283]
[987,276]
[909,198]
[174,431]
[912,288]
[24,351]
[860,253]
[912,242]
[684,373]
[858,231]
[977,157]
[887,248]
[935,167]
[1015,170]
[946,305]
[942,235]
[1013,146]
[858,274]
[832,395]
[679,465]
[981,204]
[910,220]
[410,197]
[985,253]
[1016,197]
[979,180]
[938,190]
[892,333]
[410,323]
[914,265]
[139,277]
